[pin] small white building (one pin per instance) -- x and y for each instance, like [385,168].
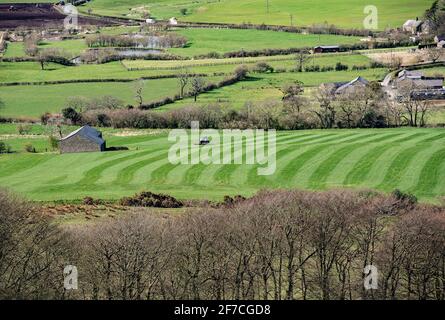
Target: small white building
[150,21]
[172,21]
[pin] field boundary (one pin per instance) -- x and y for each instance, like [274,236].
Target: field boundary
[39,83]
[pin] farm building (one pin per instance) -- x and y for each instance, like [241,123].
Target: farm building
[324,49]
[346,87]
[419,80]
[413,26]
[351,86]
[85,139]
[439,38]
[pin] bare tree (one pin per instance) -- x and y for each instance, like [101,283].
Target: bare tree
[415,108]
[197,86]
[302,57]
[434,54]
[326,114]
[183,78]
[292,96]
[138,95]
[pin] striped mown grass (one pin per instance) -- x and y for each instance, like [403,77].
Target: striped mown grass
[408,159]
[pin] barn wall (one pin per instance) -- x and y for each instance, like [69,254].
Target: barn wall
[78,143]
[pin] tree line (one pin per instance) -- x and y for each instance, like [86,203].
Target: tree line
[276,245]
[364,106]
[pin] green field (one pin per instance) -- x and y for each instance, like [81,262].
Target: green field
[202,41]
[408,159]
[261,87]
[32,101]
[345,13]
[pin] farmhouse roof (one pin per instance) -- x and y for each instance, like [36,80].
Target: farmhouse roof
[88,133]
[358,80]
[429,83]
[410,74]
[413,23]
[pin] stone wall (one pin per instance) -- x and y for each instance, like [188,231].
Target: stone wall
[78,143]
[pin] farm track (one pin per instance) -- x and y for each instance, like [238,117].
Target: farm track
[411,160]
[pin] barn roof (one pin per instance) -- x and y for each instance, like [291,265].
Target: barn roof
[410,74]
[88,133]
[358,80]
[429,83]
[327,47]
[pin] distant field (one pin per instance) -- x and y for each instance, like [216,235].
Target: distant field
[262,87]
[408,159]
[177,64]
[202,41]
[33,101]
[73,47]
[281,61]
[14,49]
[344,13]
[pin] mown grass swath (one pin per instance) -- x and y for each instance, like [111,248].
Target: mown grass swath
[305,159]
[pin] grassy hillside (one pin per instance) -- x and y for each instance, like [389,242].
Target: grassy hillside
[33,100]
[345,13]
[409,159]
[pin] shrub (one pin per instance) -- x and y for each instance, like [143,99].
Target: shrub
[149,199]
[314,68]
[262,67]
[354,67]
[53,142]
[404,197]
[30,148]
[23,129]
[341,67]
[241,72]
[103,120]
[72,115]
[375,64]
[4,148]
[90,201]
[44,118]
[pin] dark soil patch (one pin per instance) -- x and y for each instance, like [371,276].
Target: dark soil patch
[13,15]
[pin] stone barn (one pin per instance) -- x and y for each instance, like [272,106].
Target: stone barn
[85,139]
